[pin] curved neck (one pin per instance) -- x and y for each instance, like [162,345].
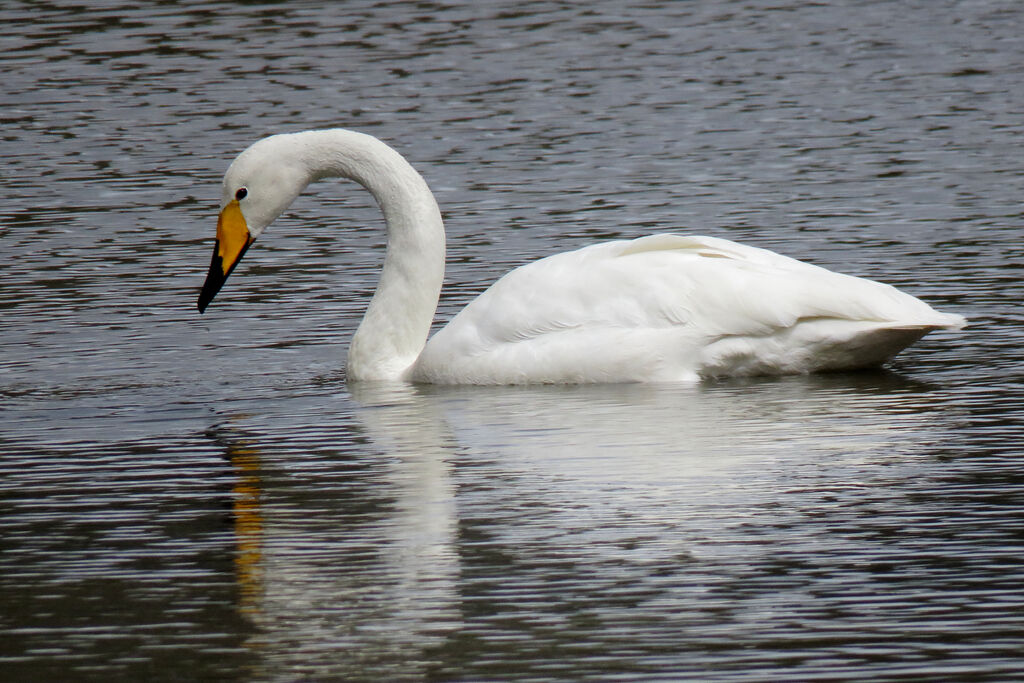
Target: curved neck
[397,321]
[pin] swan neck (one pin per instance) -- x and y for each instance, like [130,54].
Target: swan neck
[394,329]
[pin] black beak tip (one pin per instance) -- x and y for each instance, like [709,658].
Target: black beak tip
[216,277]
[214,281]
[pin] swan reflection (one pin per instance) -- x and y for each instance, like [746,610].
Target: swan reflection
[386,533]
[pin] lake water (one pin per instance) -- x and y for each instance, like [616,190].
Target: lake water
[204,498]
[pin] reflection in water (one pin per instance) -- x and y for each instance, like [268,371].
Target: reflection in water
[649,474]
[422,524]
[455,527]
[354,583]
[248,525]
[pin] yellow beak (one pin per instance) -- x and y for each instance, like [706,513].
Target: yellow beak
[232,241]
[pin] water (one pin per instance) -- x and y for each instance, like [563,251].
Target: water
[203,497]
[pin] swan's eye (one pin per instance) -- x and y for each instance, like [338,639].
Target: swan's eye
[241,194]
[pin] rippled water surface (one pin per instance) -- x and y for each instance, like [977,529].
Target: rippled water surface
[187,497]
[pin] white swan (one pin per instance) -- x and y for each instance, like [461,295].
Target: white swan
[658,308]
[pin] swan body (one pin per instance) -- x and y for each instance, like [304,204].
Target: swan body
[659,308]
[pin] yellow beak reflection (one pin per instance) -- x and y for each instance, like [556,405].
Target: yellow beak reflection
[232,241]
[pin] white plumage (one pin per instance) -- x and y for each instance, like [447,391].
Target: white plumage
[659,308]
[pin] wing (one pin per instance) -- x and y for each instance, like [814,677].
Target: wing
[663,307]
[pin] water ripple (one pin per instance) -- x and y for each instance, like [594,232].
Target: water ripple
[204,497]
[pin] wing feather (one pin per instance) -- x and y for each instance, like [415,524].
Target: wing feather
[648,306]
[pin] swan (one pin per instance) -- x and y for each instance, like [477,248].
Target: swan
[664,307]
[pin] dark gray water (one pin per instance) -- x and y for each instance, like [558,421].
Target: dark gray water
[186,497]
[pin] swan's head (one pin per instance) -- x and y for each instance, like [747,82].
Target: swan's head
[258,186]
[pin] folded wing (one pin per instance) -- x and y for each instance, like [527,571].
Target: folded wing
[671,307]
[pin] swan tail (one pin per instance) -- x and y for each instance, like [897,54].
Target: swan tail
[817,345]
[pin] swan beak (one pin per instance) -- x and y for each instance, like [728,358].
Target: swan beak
[233,239]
